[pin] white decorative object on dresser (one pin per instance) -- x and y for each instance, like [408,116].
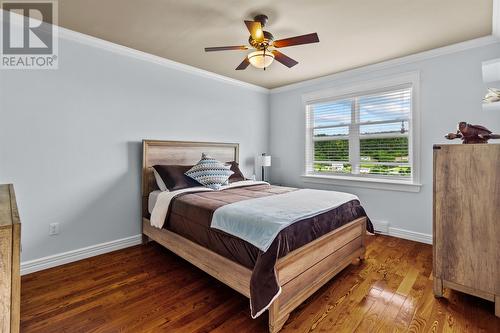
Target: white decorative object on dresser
[491,78]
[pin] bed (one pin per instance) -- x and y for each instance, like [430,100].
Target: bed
[299,273]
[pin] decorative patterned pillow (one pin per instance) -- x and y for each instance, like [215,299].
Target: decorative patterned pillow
[210,173]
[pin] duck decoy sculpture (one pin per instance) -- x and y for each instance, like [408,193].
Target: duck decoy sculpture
[472,133]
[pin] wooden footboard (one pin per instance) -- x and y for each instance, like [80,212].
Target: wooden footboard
[305,270]
[300,273]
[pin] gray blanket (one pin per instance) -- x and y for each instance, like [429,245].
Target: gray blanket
[258,221]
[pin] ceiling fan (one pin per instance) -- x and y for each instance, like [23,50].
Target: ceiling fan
[265,46]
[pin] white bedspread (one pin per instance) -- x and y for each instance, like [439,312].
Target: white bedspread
[160,209]
[258,221]
[153,196]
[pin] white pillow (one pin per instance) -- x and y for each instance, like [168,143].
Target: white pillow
[159,181]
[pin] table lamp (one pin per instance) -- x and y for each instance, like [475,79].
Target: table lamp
[265,161]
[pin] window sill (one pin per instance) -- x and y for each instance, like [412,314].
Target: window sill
[372,183]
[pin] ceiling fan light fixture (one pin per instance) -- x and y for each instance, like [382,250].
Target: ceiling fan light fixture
[260,59]
[261,40]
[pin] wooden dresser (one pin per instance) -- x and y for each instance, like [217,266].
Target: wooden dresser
[466,218]
[10,243]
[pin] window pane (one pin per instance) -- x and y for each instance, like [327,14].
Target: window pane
[385,170]
[333,167]
[332,113]
[399,127]
[331,132]
[384,150]
[385,106]
[333,150]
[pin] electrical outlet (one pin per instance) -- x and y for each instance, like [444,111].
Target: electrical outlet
[54,229]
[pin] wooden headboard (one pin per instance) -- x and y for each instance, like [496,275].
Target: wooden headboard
[180,153]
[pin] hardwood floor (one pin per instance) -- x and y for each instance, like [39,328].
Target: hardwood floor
[148,289]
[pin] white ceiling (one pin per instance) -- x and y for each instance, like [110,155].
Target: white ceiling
[352,33]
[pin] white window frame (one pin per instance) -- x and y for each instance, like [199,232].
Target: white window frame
[359,89]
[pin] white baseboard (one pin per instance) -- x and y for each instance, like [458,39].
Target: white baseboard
[78,254]
[411,235]
[382,227]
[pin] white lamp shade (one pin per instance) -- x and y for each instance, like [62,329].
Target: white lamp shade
[260,59]
[265,160]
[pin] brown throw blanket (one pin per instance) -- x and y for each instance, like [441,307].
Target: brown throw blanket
[190,216]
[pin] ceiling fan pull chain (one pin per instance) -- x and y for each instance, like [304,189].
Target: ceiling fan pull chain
[265,56]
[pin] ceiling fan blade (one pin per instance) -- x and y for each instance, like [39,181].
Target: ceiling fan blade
[226,48]
[244,64]
[255,29]
[298,40]
[285,60]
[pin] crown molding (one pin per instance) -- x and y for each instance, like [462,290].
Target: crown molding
[445,50]
[133,53]
[421,56]
[127,51]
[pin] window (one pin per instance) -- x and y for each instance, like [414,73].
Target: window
[366,135]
